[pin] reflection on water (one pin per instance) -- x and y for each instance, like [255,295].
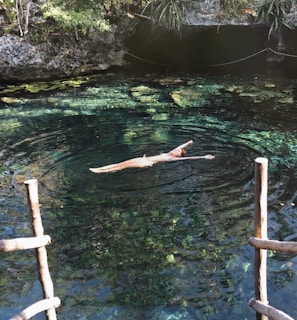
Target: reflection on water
[157,243]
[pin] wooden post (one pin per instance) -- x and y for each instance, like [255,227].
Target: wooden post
[44,274]
[260,262]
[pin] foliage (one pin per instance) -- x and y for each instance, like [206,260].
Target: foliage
[17,13]
[167,13]
[70,15]
[273,12]
[84,15]
[9,9]
[81,15]
[234,7]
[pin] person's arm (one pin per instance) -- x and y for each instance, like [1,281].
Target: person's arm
[180,150]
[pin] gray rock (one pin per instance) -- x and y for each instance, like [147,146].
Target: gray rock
[61,56]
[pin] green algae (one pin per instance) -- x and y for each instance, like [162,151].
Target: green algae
[38,87]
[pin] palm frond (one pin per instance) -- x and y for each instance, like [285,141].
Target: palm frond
[272,12]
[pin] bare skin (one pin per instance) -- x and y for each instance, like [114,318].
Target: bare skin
[142,162]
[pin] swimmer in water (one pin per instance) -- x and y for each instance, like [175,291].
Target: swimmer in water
[142,162]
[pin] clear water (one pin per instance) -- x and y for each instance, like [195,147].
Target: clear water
[167,242]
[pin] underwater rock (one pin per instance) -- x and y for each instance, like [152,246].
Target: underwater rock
[170,81]
[188,97]
[141,90]
[144,94]
[9,100]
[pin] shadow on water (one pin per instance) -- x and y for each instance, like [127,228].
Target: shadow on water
[164,242]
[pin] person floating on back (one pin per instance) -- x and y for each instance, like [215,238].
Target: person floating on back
[142,162]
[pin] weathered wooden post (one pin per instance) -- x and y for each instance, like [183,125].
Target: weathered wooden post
[260,261]
[44,274]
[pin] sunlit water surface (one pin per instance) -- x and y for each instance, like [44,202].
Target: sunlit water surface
[166,242]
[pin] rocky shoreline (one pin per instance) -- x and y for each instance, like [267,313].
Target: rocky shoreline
[207,38]
[63,56]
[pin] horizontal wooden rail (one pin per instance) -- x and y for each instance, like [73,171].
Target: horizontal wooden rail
[284,246]
[268,310]
[24,243]
[37,307]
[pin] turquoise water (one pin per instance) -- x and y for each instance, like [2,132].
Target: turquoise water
[166,242]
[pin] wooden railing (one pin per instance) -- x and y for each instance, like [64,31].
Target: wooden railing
[261,244]
[38,242]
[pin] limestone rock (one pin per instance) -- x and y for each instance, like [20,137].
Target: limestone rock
[61,56]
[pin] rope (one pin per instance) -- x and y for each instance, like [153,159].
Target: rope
[255,54]
[282,54]
[222,64]
[148,61]
[239,60]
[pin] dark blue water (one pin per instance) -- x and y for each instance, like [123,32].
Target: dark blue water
[166,242]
